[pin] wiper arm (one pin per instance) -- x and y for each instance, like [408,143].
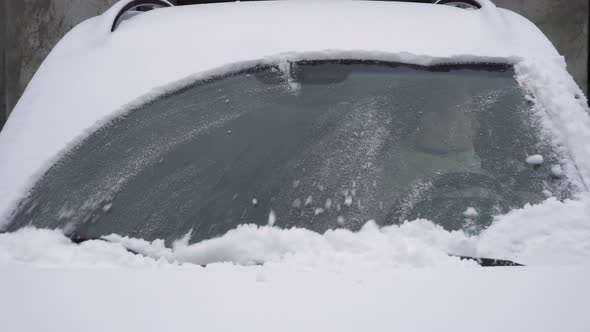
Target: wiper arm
[489,262]
[80,239]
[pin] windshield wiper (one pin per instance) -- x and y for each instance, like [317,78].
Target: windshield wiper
[489,262]
[80,239]
[485,262]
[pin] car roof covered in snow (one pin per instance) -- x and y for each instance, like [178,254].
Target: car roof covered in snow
[94,74]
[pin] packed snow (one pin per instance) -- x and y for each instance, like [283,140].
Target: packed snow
[276,298]
[556,171]
[272,218]
[534,160]
[552,233]
[470,212]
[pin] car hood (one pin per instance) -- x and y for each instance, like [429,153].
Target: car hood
[226,298]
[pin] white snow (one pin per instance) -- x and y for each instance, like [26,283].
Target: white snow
[487,35]
[470,212]
[539,68]
[45,248]
[563,112]
[552,233]
[534,160]
[272,218]
[348,200]
[557,171]
[107,207]
[93,75]
[277,298]
[339,280]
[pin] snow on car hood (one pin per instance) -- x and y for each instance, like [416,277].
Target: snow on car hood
[94,75]
[229,298]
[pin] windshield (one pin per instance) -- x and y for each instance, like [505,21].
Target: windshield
[316,144]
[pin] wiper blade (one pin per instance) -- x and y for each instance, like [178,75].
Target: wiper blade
[489,262]
[80,239]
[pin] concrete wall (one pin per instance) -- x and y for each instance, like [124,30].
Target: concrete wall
[30,28]
[3,110]
[565,23]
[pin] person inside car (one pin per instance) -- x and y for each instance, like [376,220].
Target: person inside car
[443,142]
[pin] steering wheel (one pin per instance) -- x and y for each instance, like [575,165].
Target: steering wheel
[444,199]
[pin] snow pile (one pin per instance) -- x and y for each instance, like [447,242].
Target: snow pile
[563,111]
[50,248]
[470,212]
[552,233]
[415,244]
[534,160]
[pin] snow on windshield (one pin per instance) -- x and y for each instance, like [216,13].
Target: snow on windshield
[553,233]
[358,141]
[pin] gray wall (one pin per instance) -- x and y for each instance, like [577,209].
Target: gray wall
[3,111]
[30,28]
[565,23]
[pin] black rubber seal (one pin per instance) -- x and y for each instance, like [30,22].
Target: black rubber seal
[473,3]
[134,4]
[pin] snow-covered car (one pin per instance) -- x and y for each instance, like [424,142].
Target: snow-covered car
[341,165]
